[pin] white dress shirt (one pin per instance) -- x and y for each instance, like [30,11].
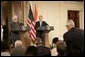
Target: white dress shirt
[40,23]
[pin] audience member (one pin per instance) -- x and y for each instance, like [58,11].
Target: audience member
[42,50]
[54,41]
[74,39]
[5,49]
[19,49]
[61,48]
[31,51]
[54,46]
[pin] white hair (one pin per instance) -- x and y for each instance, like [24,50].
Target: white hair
[70,23]
[18,43]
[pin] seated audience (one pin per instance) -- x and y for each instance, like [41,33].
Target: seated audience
[19,49]
[61,48]
[42,50]
[5,49]
[54,41]
[54,46]
[31,51]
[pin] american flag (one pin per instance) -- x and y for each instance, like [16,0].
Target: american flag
[31,23]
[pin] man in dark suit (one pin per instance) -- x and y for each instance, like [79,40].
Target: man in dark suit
[14,29]
[38,24]
[74,39]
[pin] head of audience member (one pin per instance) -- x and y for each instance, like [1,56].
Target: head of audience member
[42,50]
[61,48]
[70,24]
[40,18]
[38,41]
[31,51]
[5,47]
[15,18]
[55,40]
[18,43]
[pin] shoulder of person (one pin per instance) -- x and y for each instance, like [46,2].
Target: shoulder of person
[44,21]
[65,33]
[37,22]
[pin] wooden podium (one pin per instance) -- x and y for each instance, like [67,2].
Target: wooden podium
[46,38]
[46,30]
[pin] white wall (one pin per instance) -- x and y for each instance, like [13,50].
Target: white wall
[55,14]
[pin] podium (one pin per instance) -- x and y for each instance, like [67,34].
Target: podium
[46,30]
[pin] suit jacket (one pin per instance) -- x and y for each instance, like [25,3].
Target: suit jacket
[74,39]
[43,51]
[18,51]
[38,24]
[14,32]
[39,33]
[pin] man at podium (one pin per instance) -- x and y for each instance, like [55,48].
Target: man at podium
[14,29]
[40,24]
